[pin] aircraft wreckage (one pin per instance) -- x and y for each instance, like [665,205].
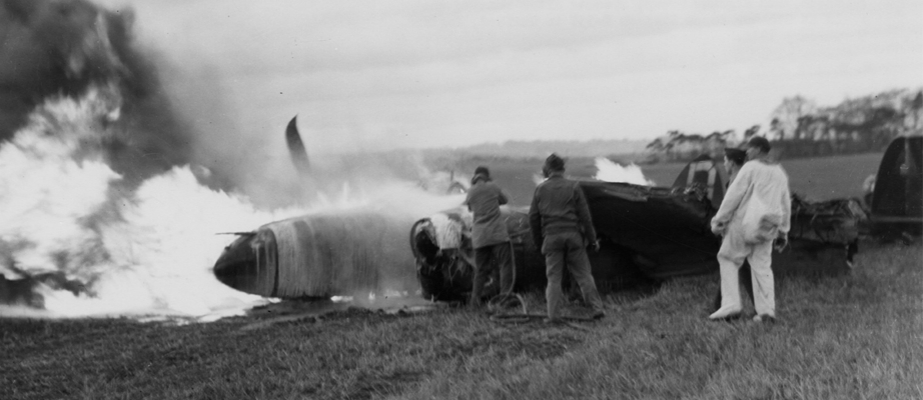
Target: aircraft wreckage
[646,232]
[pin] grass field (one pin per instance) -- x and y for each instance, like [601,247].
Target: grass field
[856,336]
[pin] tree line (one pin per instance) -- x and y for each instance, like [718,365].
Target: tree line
[798,127]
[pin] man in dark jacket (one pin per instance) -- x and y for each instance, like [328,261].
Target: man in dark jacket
[489,237]
[561,224]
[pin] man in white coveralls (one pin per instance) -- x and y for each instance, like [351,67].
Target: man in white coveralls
[756,210]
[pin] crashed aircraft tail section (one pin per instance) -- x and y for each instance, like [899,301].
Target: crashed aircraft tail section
[897,202]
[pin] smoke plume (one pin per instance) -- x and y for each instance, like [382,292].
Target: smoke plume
[64,47]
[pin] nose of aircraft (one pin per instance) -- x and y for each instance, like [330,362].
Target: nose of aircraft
[248,263]
[236,260]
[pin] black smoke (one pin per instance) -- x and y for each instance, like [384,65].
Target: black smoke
[63,47]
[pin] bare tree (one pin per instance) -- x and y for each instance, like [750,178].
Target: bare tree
[787,114]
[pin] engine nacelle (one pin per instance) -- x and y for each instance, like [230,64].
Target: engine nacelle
[320,255]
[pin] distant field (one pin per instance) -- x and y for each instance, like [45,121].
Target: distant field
[816,178]
[832,177]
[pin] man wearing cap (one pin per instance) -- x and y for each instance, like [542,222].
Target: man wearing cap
[756,210]
[561,224]
[489,236]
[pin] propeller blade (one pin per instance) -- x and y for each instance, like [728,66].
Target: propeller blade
[296,148]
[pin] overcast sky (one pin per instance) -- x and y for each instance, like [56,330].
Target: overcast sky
[384,74]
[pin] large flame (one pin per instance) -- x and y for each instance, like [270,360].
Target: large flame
[147,251]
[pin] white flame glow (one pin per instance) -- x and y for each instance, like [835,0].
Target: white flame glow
[609,171]
[44,192]
[148,252]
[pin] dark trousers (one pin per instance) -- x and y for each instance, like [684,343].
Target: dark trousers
[567,249]
[487,260]
[744,278]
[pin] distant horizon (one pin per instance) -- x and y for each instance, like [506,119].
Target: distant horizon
[763,130]
[476,146]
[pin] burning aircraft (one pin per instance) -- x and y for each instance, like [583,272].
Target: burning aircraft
[647,233]
[100,213]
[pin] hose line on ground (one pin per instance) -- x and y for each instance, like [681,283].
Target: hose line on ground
[507,299]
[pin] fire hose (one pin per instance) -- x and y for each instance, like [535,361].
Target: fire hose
[507,299]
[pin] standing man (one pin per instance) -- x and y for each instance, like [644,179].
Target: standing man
[561,224]
[734,160]
[489,236]
[756,210]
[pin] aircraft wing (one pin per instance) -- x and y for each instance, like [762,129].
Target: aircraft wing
[666,230]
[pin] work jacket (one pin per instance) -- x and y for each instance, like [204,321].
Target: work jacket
[484,200]
[560,206]
[758,199]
